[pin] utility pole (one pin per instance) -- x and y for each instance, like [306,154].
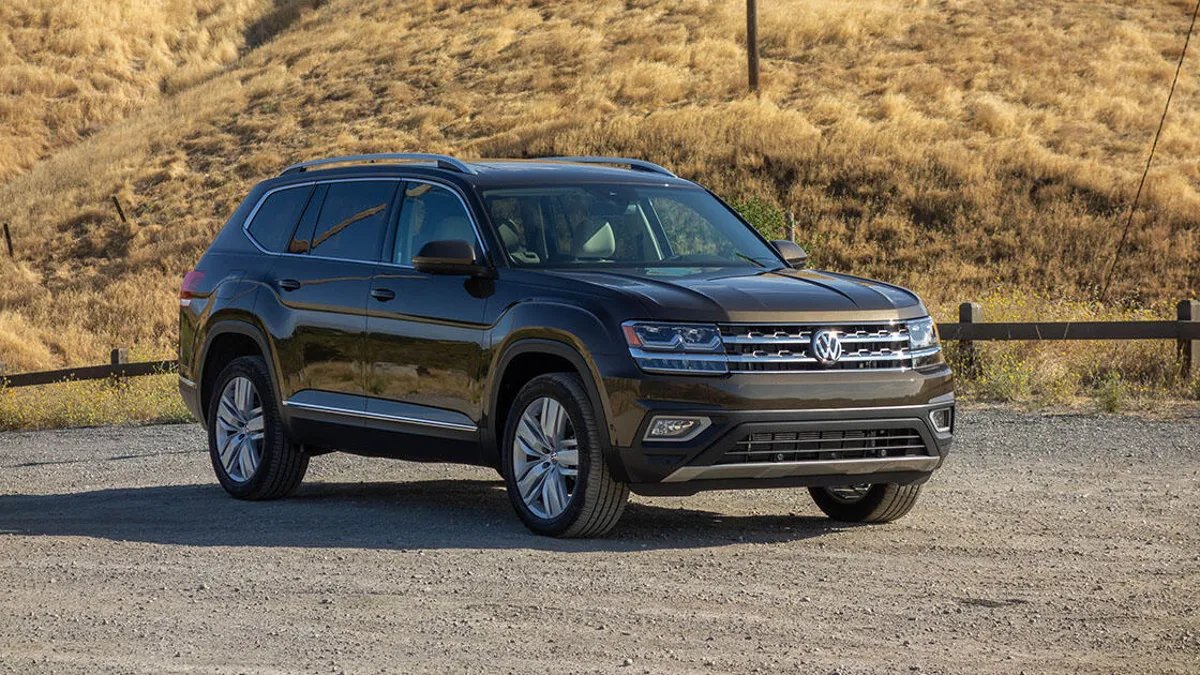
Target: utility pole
[752,42]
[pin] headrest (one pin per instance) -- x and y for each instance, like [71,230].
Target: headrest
[509,236]
[595,239]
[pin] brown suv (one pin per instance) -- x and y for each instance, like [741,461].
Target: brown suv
[587,326]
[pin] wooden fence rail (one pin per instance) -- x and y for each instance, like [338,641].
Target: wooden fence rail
[117,367]
[1184,330]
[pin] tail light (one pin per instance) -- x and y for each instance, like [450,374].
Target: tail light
[189,289]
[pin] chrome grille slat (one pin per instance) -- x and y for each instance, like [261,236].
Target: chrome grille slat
[776,348]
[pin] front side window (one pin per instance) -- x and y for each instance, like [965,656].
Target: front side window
[352,220]
[430,213]
[597,225]
[276,218]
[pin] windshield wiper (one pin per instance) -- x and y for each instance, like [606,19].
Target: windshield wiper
[743,256]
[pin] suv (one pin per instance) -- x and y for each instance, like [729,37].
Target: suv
[589,326]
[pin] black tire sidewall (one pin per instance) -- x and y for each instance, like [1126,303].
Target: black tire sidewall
[588,445]
[884,502]
[254,369]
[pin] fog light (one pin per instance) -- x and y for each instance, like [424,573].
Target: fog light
[676,428]
[942,419]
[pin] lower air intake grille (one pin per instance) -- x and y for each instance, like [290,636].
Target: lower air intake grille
[815,446]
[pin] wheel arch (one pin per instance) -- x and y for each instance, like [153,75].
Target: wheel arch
[225,341]
[526,358]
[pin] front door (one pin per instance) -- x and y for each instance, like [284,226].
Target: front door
[426,338]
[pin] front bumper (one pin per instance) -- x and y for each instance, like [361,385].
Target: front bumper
[781,430]
[798,448]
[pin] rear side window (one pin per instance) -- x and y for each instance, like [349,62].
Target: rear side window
[276,219]
[353,219]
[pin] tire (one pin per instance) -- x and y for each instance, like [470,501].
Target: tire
[880,503]
[279,465]
[594,500]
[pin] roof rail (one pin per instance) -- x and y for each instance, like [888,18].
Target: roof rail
[636,164]
[442,161]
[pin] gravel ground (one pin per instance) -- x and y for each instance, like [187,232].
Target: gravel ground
[1047,543]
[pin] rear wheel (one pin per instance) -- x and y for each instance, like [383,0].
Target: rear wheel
[251,454]
[865,502]
[553,461]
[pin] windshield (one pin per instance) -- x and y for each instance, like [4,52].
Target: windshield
[622,226]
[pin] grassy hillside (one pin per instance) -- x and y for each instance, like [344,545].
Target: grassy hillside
[954,147]
[67,69]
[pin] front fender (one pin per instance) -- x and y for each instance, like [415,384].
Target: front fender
[563,330]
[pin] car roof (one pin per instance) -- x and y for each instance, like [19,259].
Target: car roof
[492,173]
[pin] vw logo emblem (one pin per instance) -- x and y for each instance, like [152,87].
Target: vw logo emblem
[826,347]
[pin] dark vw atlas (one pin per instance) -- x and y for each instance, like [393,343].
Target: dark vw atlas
[586,326]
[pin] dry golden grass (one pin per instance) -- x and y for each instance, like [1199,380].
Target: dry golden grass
[951,147]
[69,68]
[91,403]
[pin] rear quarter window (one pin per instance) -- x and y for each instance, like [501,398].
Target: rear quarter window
[276,219]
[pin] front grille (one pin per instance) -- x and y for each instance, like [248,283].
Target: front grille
[786,348]
[815,446]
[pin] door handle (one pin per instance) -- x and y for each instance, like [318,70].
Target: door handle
[383,294]
[288,284]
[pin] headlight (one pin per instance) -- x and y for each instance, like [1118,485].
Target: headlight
[922,334]
[676,348]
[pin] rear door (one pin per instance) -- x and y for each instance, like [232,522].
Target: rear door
[321,286]
[426,338]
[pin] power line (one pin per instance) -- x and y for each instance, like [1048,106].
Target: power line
[1153,146]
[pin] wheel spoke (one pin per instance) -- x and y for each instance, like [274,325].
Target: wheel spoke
[251,461]
[536,491]
[530,436]
[256,423]
[229,408]
[241,395]
[552,420]
[550,495]
[560,486]
[228,452]
[244,460]
[226,425]
[529,481]
[568,458]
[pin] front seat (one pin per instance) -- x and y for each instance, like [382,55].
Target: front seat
[594,240]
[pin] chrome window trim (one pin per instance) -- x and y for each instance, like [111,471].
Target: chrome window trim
[400,179]
[382,417]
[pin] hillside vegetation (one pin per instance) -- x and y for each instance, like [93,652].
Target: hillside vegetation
[954,147]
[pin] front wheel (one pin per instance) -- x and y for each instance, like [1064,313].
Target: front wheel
[866,503]
[553,461]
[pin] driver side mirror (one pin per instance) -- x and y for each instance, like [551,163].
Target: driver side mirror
[793,253]
[449,256]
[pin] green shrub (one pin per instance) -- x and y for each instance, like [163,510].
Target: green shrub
[1111,392]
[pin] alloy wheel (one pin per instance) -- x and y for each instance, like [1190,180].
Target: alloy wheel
[849,494]
[239,429]
[546,458]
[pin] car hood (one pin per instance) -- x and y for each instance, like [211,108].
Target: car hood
[751,295]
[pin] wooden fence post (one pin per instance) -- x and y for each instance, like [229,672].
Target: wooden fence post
[752,43]
[120,211]
[791,226]
[8,240]
[969,312]
[119,356]
[1188,311]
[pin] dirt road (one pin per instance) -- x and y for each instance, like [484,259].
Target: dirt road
[1045,544]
